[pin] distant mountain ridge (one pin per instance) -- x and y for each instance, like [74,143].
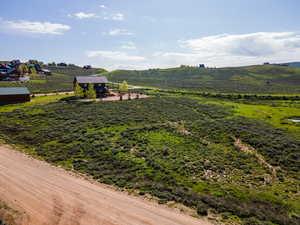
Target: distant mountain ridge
[288,64]
[294,64]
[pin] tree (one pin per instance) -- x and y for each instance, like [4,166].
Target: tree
[32,69]
[90,93]
[78,91]
[123,87]
[52,64]
[19,70]
[25,68]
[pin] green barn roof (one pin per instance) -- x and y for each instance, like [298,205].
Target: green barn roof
[14,91]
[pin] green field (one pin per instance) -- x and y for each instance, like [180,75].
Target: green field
[174,148]
[251,79]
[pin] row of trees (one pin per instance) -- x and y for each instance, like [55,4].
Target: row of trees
[90,93]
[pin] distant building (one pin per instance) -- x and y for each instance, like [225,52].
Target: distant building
[201,66]
[6,71]
[98,82]
[62,64]
[14,94]
[87,67]
[266,63]
[46,72]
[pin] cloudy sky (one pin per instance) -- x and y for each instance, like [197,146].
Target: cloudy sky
[138,34]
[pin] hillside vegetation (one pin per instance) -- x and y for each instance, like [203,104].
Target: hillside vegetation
[60,80]
[206,154]
[251,79]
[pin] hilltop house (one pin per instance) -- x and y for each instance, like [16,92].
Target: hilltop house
[87,67]
[14,94]
[5,70]
[62,64]
[8,70]
[98,82]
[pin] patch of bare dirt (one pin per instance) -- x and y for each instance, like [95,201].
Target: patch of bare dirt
[180,127]
[51,196]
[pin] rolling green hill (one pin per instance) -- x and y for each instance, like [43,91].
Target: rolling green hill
[74,70]
[250,79]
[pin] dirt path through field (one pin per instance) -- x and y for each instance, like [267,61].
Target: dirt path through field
[250,150]
[51,196]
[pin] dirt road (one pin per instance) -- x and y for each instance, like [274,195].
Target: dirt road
[51,196]
[55,93]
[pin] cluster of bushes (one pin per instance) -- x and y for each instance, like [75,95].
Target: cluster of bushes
[277,147]
[176,149]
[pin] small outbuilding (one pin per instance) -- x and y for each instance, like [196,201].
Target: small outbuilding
[100,83]
[14,94]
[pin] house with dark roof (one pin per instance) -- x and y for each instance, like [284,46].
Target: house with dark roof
[99,83]
[62,64]
[87,67]
[14,94]
[5,70]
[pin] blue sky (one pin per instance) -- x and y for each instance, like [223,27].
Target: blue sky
[138,34]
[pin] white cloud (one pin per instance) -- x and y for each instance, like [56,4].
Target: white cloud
[104,16]
[83,15]
[217,50]
[114,16]
[102,6]
[119,32]
[24,26]
[253,44]
[236,49]
[129,45]
[114,55]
